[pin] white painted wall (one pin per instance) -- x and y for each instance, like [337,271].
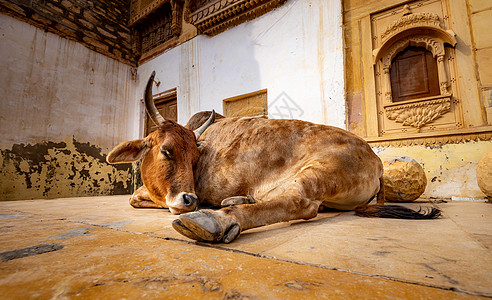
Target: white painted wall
[52,88]
[295,51]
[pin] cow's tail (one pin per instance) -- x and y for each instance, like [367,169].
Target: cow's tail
[380,210]
[396,212]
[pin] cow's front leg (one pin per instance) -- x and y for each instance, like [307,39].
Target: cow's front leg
[141,199]
[226,224]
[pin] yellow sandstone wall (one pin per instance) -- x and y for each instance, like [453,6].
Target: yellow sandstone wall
[449,158]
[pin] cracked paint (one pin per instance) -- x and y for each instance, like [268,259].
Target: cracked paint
[60,169]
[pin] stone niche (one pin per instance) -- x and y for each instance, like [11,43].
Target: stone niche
[413,57]
[214,16]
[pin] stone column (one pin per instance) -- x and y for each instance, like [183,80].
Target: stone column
[443,77]
[387,85]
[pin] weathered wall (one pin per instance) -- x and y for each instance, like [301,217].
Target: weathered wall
[449,158]
[295,52]
[480,16]
[450,169]
[99,25]
[63,108]
[59,169]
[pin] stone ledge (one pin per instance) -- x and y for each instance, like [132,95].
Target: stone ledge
[433,138]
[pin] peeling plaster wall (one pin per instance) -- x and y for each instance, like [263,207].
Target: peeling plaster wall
[295,51]
[63,107]
[59,169]
[451,169]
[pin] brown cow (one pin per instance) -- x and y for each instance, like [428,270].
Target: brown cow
[263,171]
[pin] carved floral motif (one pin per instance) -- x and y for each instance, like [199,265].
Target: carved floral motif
[446,138]
[420,113]
[409,21]
[434,45]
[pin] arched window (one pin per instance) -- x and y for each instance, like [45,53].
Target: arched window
[411,73]
[414,74]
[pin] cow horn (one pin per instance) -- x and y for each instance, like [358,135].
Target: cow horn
[198,132]
[154,114]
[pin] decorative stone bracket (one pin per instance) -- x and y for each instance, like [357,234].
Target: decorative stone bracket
[417,113]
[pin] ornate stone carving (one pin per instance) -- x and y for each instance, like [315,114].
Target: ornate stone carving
[153,23]
[177,13]
[436,138]
[418,114]
[410,21]
[432,44]
[214,16]
[420,30]
[157,28]
[443,75]
[141,8]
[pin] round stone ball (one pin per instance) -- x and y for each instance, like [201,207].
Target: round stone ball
[484,174]
[404,179]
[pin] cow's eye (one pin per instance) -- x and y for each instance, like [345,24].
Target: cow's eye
[167,153]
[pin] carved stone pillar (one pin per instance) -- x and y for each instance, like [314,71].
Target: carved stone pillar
[387,85]
[443,76]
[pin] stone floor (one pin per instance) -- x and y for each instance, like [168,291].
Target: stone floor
[101,248]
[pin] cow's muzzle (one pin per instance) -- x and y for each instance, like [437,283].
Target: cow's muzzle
[183,203]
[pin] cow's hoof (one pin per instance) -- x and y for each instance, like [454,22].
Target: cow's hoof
[179,227]
[204,225]
[237,200]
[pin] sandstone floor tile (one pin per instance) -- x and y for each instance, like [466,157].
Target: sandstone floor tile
[107,244]
[106,263]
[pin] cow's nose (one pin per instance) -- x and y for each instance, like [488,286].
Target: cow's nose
[190,200]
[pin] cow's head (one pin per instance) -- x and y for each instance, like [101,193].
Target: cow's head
[168,156]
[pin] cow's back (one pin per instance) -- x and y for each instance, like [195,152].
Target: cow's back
[261,157]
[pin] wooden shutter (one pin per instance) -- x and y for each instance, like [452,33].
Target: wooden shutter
[414,75]
[167,105]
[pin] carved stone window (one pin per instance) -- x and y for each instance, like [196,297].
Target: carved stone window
[156,25]
[413,75]
[413,79]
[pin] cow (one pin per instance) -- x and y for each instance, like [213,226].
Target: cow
[258,171]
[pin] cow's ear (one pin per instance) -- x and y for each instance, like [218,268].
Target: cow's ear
[127,152]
